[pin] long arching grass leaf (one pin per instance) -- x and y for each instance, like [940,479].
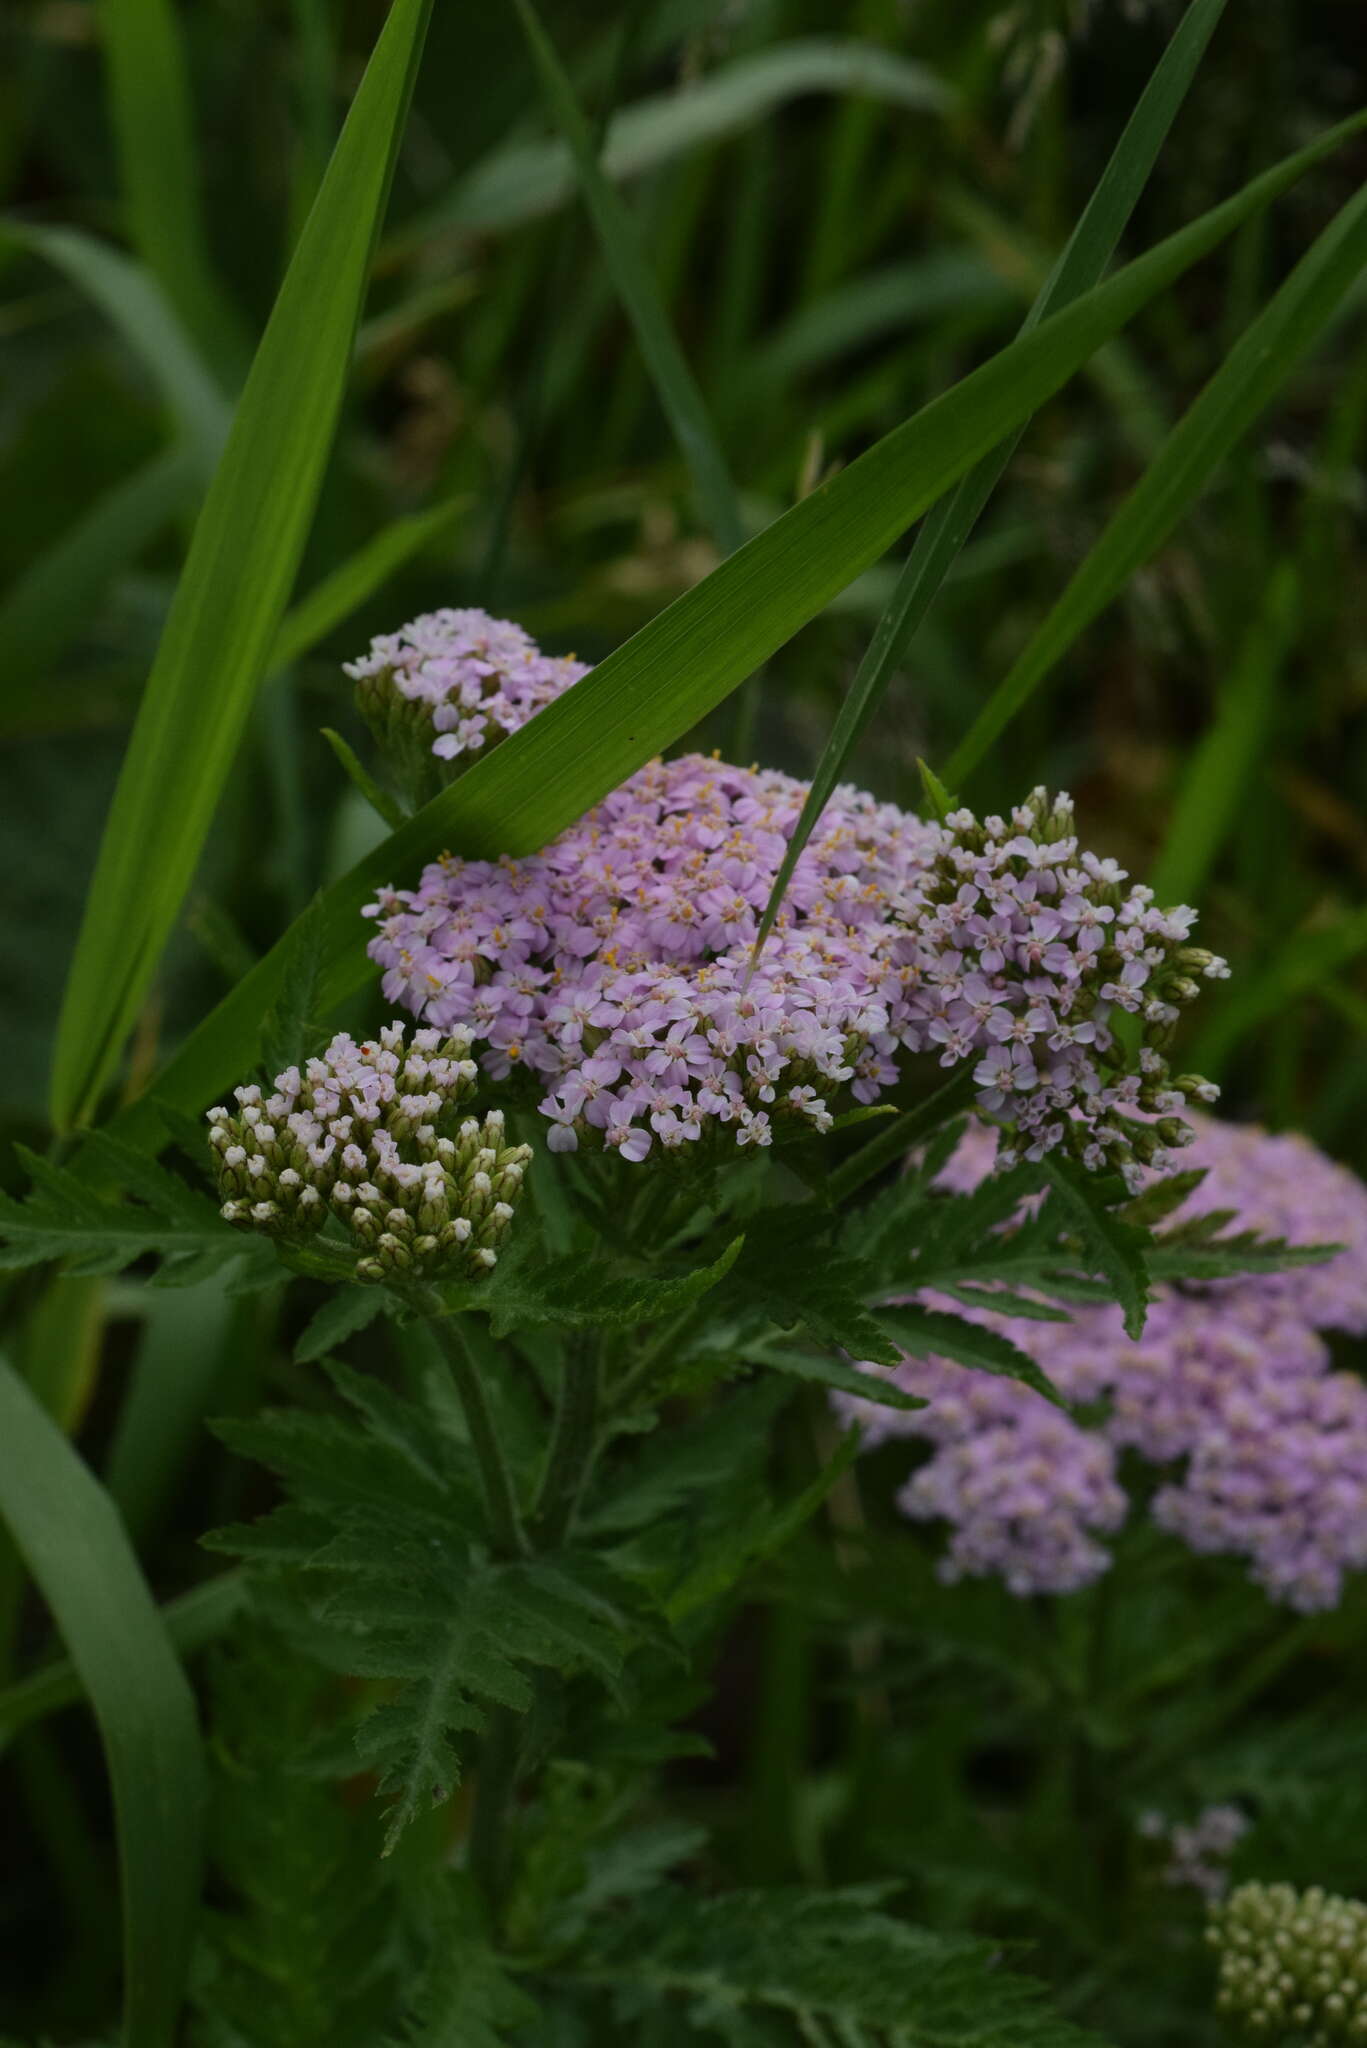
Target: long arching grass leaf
[1089,250]
[1245,383]
[74,1544]
[227,608]
[665,678]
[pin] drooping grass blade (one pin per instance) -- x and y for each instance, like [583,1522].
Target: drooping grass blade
[520,182]
[228,604]
[153,122]
[1089,249]
[1217,779]
[347,587]
[631,274]
[75,1546]
[684,662]
[134,303]
[1245,383]
[43,611]
[191,1620]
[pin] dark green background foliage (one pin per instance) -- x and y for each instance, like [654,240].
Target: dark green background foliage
[777,1784]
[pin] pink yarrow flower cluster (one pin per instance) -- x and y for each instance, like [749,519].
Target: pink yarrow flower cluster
[615,968]
[447,687]
[1230,1391]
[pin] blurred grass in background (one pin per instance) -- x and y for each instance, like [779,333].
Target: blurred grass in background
[846,209]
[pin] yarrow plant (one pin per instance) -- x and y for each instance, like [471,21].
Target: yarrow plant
[372,1137]
[448,686]
[545,1481]
[1229,1393]
[616,968]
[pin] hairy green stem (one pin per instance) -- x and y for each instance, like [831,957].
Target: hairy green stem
[571,1449]
[504,1521]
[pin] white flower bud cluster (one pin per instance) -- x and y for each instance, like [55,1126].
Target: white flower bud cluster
[1292,1961]
[371,1136]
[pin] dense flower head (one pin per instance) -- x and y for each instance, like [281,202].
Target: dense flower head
[1024,1490]
[1282,1185]
[1292,1962]
[447,687]
[1229,1392]
[615,968]
[373,1137]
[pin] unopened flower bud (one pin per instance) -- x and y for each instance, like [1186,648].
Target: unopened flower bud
[415,1197]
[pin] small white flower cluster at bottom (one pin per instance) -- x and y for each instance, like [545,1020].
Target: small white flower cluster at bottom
[372,1136]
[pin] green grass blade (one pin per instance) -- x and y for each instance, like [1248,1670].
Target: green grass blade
[525,181]
[153,121]
[1245,383]
[1217,781]
[1303,965]
[191,1621]
[134,303]
[227,608]
[650,691]
[348,586]
[75,1546]
[1089,250]
[869,308]
[43,611]
[179,1362]
[635,282]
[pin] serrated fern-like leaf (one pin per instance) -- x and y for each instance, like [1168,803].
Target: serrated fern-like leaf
[380,1540]
[462,1997]
[462,1648]
[68,1217]
[1106,1242]
[836,1959]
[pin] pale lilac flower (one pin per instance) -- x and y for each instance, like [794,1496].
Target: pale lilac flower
[1229,1392]
[620,956]
[447,687]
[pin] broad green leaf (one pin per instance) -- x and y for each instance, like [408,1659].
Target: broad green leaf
[153,121]
[45,609]
[1089,249]
[640,295]
[657,686]
[229,602]
[523,181]
[136,306]
[1245,383]
[1216,784]
[75,1546]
